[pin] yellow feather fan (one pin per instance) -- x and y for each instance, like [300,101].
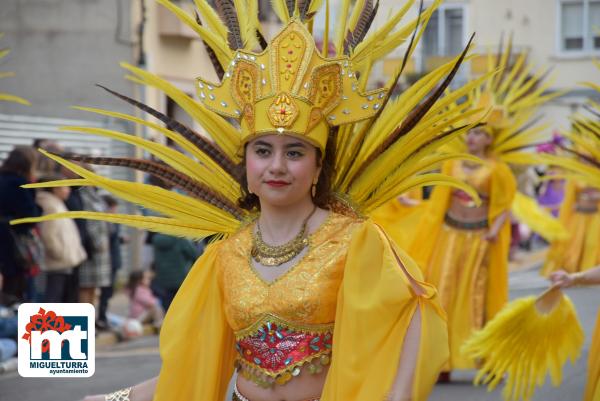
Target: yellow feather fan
[526,341]
[528,211]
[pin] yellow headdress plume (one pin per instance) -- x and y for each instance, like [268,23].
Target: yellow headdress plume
[384,146]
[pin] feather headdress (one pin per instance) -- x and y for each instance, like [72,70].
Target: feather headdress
[287,85]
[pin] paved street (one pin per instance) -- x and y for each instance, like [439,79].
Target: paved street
[127,363]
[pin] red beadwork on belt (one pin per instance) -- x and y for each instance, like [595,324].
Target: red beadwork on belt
[275,348]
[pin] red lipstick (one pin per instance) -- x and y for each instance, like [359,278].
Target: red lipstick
[277,184]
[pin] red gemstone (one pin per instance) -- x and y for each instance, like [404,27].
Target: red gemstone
[289,66]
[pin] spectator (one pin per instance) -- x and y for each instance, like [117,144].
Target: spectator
[45,165]
[16,202]
[95,271]
[115,241]
[64,252]
[144,306]
[173,258]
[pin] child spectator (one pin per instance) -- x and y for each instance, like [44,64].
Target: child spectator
[144,306]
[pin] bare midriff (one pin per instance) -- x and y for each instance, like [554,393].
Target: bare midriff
[305,386]
[588,199]
[464,210]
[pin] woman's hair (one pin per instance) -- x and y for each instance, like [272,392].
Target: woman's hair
[135,279]
[21,161]
[323,195]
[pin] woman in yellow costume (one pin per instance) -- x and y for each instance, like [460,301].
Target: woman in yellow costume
[580,210]
[304,297]
[462,245]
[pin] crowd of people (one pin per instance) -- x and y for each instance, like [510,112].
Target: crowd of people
[74,260]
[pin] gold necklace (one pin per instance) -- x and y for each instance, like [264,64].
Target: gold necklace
[270,255]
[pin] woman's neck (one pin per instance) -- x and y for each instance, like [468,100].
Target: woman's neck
[280,224]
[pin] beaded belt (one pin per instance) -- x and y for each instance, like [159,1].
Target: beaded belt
[586,210]
[237,396]
[273,351]
[462,225]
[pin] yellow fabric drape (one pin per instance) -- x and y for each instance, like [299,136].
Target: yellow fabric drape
[400,221]
[196,343]
[580,251]
[375,306]
[502,191]
[592,386]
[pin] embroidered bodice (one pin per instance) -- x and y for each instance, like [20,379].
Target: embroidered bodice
[287,323]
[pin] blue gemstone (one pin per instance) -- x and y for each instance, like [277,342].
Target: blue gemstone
[257,361]
[314,347]
[288,361]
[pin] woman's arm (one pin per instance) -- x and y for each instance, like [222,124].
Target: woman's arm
[564,279]
[403,384]
[140,392]
[496,226]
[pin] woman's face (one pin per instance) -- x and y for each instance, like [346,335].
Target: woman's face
[281,169]
[478,140]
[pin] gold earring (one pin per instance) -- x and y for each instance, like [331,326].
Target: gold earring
[313,188]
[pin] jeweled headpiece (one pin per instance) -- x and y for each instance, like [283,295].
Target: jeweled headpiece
[290,88]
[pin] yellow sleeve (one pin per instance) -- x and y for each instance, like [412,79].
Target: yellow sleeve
[376,303]
[196,343]
[502,192]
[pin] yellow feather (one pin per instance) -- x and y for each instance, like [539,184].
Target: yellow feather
[74,182]
[172,157]
[223,133]
[340,26]
[280,8]
[169,226]
[213,40]
[528,211]
[218,177]
[15,99]
[211,19]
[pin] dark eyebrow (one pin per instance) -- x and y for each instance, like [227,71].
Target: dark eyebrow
[262,143]
[295,145]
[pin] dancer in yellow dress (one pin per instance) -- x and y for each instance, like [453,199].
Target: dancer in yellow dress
[307,299]
[462,245]
[580,214]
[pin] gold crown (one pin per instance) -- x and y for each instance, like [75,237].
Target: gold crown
[290,88]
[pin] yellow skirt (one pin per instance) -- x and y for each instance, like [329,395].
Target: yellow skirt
[581,251]
[458,268]
[592,388]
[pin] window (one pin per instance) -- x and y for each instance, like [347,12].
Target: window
[445,33]
[579,26]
